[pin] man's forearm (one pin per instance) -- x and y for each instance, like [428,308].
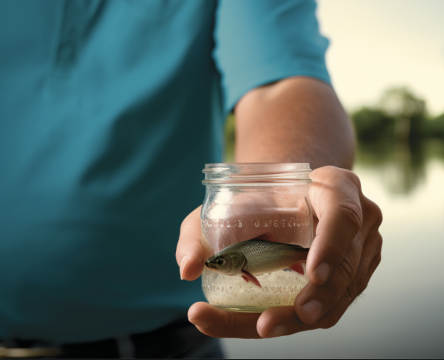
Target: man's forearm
[298,119]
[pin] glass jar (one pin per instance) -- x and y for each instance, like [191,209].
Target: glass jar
[260,217]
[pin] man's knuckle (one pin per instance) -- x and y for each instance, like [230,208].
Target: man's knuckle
[354,179]
[375,263]
[375,241]
[379,241]
[373,213]
[333,289]
[352,213]
[348,271]
[342,279]
[326,171]
[378,259]
[378,215]
[351,292]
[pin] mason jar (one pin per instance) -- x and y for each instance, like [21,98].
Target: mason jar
[257,228]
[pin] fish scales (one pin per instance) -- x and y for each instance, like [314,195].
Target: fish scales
[264,256]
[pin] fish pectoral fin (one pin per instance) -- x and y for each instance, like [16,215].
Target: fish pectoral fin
[298,268]
[248,277]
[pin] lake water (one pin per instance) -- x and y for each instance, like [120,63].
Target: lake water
[401,313]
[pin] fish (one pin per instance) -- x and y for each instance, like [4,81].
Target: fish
[258,256]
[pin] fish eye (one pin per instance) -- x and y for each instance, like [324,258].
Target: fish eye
[220,261]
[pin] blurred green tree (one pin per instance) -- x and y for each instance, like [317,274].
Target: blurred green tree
[434,128]
[230,138]
[389,137]
[408,110]
[373,124]
[400,116]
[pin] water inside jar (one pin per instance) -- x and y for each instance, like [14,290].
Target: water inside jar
[233,293]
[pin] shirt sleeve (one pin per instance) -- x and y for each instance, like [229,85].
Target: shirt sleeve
[261,41]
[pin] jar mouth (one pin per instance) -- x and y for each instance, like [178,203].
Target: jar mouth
[256,173]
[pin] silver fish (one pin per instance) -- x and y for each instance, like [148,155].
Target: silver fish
[258,256]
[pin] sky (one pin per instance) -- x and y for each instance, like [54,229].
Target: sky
[379,44]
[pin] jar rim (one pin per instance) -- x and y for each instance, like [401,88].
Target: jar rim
[257,173]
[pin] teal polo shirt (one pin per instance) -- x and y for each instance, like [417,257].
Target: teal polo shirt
[108,112]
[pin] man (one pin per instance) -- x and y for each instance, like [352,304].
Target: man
[109,110]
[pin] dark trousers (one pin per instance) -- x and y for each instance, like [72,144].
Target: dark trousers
[179,339]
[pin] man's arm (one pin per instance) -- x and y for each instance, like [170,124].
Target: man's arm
[298,119]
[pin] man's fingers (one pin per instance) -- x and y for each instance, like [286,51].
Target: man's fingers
[366,268]
[335,197]
[223,324]
[189,254]
[348,281]
[315,301]
[371,259]
[280,321]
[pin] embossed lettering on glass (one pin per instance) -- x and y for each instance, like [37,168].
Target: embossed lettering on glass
[257,228]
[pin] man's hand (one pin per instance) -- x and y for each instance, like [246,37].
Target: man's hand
[345,252]
[299,119]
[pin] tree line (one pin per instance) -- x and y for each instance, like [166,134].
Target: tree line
[399,116]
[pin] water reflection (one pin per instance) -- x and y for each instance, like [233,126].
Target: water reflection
[401,164]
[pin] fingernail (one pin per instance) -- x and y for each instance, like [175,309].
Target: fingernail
[183,263]
[322,272]
[278,330]
[312,310]
[200,323]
